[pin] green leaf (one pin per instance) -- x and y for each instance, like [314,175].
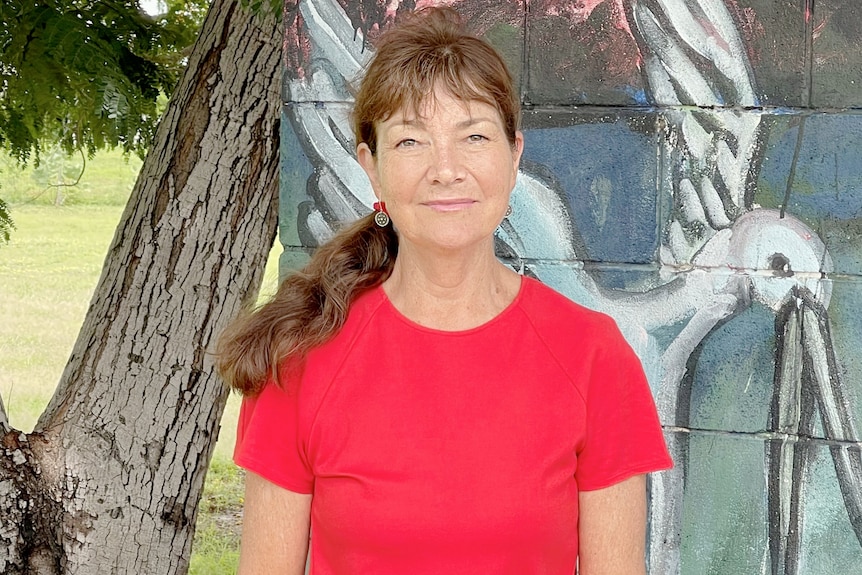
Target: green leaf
[6,224]
[88,74]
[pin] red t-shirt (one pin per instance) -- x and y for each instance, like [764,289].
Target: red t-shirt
[455,452]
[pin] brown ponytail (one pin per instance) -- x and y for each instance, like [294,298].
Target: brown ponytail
[309,307]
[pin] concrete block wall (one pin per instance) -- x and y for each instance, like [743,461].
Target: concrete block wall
[692,167]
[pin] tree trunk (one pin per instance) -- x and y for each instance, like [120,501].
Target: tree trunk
[110,479]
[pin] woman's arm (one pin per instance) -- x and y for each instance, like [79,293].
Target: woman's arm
[275,525]
[612,529]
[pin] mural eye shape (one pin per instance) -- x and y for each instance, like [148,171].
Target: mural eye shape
[780,265]
[766,240]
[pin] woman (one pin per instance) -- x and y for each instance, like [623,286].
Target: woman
[417,405]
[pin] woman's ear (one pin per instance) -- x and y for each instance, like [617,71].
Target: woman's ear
[518,148]
[368,162]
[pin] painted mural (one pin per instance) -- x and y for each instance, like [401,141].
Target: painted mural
[692,167]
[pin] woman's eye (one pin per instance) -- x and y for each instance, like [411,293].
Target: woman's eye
[477,138]
[406,143]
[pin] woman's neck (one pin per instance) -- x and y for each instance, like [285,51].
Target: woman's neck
[450,293]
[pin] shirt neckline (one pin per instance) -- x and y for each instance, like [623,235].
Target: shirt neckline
[504,313]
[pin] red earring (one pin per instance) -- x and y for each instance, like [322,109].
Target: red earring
[381,216]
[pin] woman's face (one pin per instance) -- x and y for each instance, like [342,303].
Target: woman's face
[445,174]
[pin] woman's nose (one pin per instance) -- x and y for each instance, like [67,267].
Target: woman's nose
[447,165]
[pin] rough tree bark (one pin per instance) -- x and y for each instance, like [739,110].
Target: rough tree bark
[110,478]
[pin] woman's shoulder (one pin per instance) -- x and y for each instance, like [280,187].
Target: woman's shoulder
[576,336]
[552,312]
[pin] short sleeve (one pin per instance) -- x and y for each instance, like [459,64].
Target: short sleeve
[623,434]
[268,439]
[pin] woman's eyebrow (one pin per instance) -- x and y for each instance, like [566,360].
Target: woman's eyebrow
[410,122]
[418,123]
[473,121]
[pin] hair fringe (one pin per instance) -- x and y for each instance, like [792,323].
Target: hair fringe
[426,48]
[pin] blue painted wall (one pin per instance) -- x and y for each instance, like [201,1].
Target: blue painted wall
[692,168]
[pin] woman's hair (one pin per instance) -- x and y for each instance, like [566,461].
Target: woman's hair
[429,48]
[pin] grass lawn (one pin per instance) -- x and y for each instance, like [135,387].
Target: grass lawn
[47,276]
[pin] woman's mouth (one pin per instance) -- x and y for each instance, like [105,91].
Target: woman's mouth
[450,205]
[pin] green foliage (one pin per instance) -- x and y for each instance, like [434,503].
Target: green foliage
[87,74]
[6,225]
